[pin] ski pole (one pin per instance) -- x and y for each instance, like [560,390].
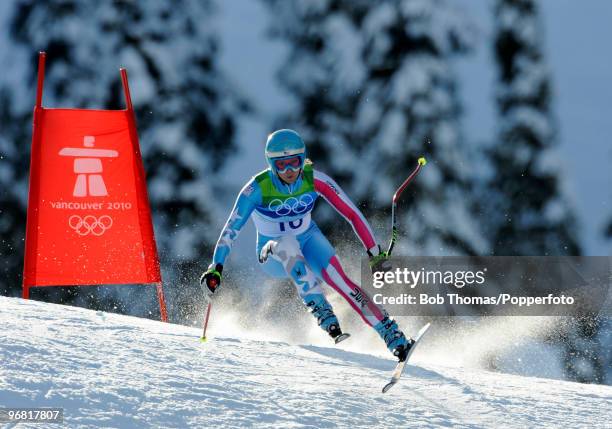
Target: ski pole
[394,231]
[208,308]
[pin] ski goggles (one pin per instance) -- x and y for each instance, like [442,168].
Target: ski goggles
[293,163]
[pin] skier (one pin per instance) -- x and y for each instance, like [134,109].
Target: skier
[289,244]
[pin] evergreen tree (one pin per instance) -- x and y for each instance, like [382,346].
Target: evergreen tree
[530,215]
[14,162]
[185,107]
[374,89]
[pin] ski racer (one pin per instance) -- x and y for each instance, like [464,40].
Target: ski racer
[289,244]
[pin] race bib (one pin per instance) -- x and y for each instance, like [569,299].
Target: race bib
[275,228]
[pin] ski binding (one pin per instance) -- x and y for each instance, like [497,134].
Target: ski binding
[399,369]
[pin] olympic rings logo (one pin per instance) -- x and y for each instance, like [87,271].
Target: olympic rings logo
[290,205]
[90,224]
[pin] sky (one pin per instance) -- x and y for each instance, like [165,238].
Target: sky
[576,37]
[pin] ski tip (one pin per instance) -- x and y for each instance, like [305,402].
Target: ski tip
[387,387]
[423,329]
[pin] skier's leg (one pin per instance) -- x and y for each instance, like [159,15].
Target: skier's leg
[286,252]
[321,256]
[369,311]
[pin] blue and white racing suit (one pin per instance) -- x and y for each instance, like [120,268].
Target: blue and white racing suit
[282,213]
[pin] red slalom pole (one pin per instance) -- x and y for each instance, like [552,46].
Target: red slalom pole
[394,231]
[42,56]
[208,308]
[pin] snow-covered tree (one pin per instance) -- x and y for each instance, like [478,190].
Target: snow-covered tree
[186,108]
[374,89]
[530,214]
[14,161]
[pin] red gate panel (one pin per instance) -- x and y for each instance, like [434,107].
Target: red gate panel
[89,220]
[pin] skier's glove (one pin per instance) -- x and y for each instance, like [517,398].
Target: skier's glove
[211,278]
[380,262]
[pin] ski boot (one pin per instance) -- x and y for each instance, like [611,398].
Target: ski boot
[396,341]
[336,333]
[322,310]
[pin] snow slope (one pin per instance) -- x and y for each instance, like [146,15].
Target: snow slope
[118,371]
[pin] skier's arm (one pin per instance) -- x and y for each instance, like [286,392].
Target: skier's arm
[248,198]
[337,198]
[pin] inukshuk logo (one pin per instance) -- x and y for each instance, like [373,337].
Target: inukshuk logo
[88,167]
[89,183]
